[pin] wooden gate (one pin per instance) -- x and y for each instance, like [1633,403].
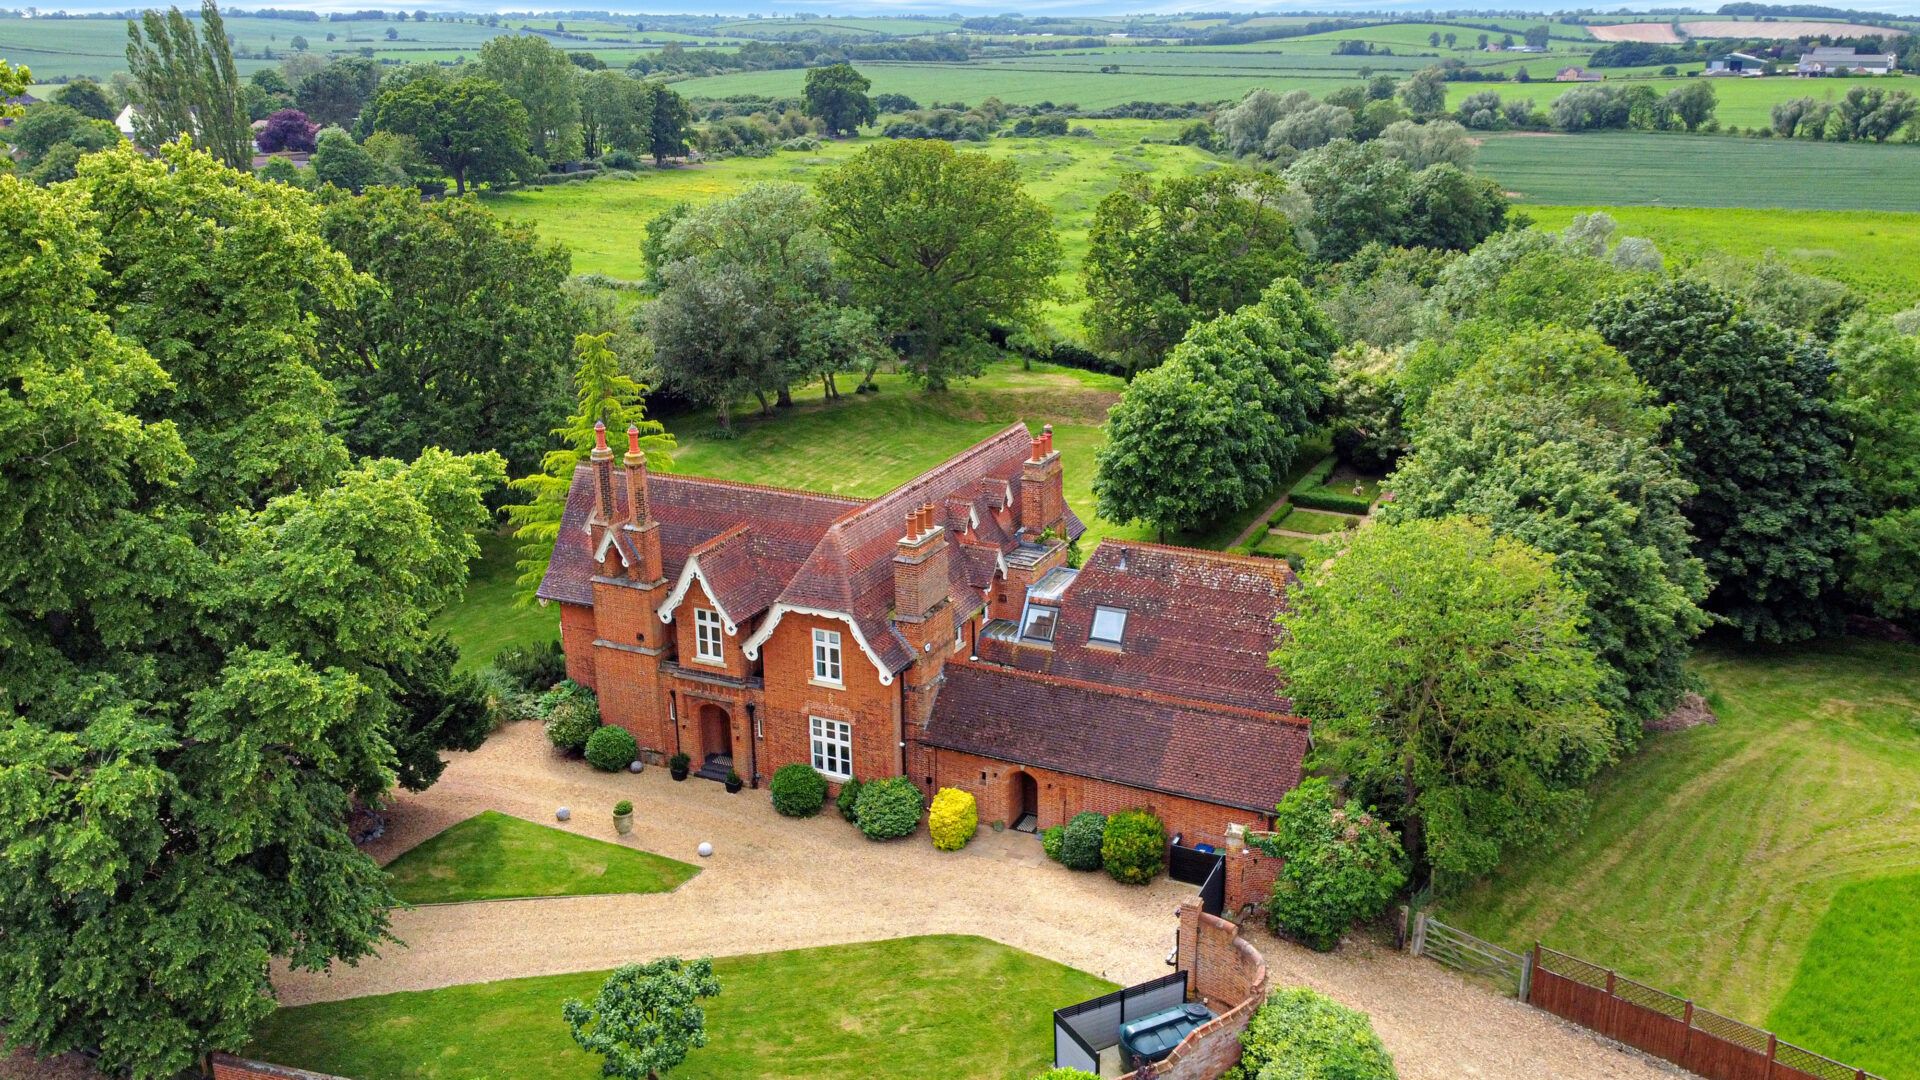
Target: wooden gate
[1457,949]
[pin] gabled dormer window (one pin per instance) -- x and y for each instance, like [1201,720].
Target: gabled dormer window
[707,637]
[1109,625]
[1040,623]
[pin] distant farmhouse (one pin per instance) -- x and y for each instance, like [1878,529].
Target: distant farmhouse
[1577,74]
[1834,61]
[1736,63]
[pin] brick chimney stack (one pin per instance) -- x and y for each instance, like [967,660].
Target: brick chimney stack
[602,459]
[1043,499]
[651,566]
[920,567]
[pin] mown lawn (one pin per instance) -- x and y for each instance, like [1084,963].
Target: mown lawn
[493,856]
[1853,995]
[487,619]
[1713,855]
[1313,521]
[923,1008]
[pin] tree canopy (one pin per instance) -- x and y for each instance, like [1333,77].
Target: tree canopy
[184,82]
[942,246]
[836,95]
[467,126]
[542,80]
[646,1018]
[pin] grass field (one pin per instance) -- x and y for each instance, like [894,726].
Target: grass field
[604,221]
[1716,861]
[1744,103]
[492,856]
[1637,169]
[1873,253]
[486,619]
[1313,521]
[1869,937]
[921,1008]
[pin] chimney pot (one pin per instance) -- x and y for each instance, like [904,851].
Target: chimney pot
[633,439]
[599,434]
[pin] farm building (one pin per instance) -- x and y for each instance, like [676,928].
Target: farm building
[1736,63]
[1577,74]
[936,632]
[1832,61]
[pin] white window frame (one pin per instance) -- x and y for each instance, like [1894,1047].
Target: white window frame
[829,660]
[708,628]
[1093,628]
[831,742]
[1026,622]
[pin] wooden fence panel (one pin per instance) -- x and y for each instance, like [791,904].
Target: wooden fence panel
[1570,1000]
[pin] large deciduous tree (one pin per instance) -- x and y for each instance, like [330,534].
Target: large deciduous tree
[541,79]
[1878,384]
[1756,434]
[337,93]
[184,83]
[669,123]
[836,95]
[1165,256]
[464,340]
[1447,677]
[613,113]
[943,246]
[1548,438]
[468,126]
[213,634]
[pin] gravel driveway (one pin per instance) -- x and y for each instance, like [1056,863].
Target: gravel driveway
[779,883]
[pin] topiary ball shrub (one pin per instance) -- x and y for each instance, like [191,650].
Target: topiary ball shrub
[1135,847]
[953,819]
[798,790]
[572,715]
[1080,843]
[888,808]
[1051,839]
[611,749]
[848,799]
[1299,1033]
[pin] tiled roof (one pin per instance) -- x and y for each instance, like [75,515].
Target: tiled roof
[694,511]
[1200,625]
[1234,757]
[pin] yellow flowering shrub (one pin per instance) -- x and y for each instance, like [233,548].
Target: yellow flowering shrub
[953,819]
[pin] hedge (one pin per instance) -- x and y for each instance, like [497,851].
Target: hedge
[1080,845]
[1301,1035]
[953,819]
[1321,499]
[611,749]
[888,808]
[1134,848]
[798,790]
[848,799]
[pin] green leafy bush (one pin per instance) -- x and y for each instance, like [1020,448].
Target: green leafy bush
[1080,844]
[848,799]
[1051,839]
[798,790]
[1322,499]
[572,715]
[680,762]
[622,808]
[1134,848]
[535,667]
[953,819]
[888,808]
[507,699]
[1066,1074]
[1341,866]
[1301,1035]
[611,749]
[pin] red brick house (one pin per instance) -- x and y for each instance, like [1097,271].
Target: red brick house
[934,632]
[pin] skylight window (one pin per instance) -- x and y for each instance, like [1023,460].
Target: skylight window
[1109,625]
[1040,623]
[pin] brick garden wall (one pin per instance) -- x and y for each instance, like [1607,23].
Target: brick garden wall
[1250,877]
[1229,976]
[228,1067]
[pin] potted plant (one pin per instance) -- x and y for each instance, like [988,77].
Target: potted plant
[678,765]
[734,783]
[623,817]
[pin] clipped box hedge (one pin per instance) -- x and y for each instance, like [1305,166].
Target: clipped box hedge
[1322,499]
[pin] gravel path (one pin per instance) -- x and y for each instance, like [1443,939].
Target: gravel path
[778,883]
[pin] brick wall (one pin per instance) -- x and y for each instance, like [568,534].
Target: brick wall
[576,640]
[1229,976]
[228,1067]
[1250,877]
[994,785]
[791,698]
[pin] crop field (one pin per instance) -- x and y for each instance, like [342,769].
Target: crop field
[603,221]
[1023,86]
[1744,103]
[1872,253]
[1762,865]
[1638,169]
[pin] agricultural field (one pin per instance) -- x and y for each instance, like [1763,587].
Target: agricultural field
[603,221]
[1744,103]
[1762,865]
[1872,253]
[1640,169]
[929,1007]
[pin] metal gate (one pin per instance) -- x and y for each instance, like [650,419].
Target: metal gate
[1460,950]
[1207,869]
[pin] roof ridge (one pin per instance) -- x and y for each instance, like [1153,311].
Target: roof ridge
[946,465]
[1126,691]
[1224,556]
[713,542]
[718,481]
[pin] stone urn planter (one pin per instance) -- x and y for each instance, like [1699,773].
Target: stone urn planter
[734,783]
[678,765]
[623,817]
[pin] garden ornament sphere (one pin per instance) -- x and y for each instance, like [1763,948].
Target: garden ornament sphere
[562,814]
[706,849]
[636,765]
